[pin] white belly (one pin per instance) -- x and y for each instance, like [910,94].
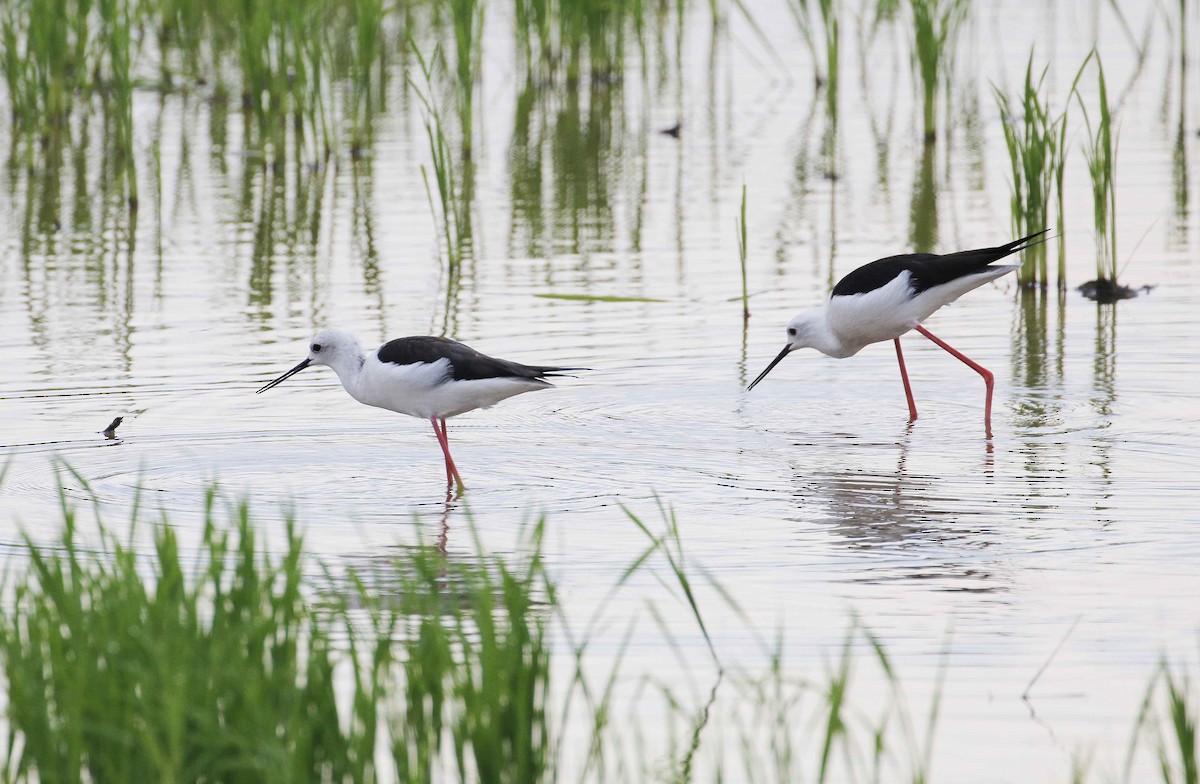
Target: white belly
[427,389]
[890,311]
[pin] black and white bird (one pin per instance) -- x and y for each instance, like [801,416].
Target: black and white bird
[428,377]
[886,298]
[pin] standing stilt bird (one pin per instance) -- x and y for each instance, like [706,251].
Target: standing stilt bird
[886,298]
[427,377]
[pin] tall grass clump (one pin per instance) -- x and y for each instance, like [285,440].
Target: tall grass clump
[281,51]
[304,69]
[128,668]
[1100,151]
[116,39]
[467,16]
[63,58]
[790,729]
[127,660]
[227,665]
[1035,139]
[311,73]
[1169,720]
[476,668]
[591,37]
[935,28]
[452,207]
[367,71]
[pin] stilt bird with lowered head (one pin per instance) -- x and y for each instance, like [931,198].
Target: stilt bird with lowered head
[889,297]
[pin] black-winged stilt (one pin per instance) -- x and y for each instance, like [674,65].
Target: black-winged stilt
[886,298]
[428,377]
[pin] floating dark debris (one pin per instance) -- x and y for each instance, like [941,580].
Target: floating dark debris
[1107,291]
[111,430]
[673,131]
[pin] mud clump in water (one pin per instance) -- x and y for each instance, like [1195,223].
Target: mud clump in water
[1107,291]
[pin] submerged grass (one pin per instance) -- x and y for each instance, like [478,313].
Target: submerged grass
[822,44]
[574,39]
[935,25]
[741,238]
[49,59]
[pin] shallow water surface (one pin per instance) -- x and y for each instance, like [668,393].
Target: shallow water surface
[808,500]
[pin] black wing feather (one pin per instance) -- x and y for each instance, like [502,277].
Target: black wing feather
[927,269]
[466,363]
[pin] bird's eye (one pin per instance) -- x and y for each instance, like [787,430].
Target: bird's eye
[791,331]
[316,347]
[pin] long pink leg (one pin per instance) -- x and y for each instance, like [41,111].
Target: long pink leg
[912,404]
[437,431]
[988,378]
[446,440]
[451,469]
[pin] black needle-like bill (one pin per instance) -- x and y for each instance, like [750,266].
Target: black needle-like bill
[286,375]
[786,350]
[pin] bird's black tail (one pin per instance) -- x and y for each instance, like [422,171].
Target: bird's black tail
[981,257]
[1024,242]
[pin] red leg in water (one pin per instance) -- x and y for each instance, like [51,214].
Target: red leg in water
[453,468]
[988,378]
[452,474]
[912,405]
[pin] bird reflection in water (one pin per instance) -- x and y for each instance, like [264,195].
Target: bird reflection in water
[891,513]
[428,578]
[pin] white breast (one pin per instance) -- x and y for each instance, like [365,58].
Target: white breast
[882,314]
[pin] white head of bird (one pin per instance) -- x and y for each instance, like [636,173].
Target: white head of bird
[809,329]
[333,347]
[338,349]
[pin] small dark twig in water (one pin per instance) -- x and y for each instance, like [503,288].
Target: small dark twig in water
[111,430]
[1046,664]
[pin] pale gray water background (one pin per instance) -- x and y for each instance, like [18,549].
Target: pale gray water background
[808,499]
